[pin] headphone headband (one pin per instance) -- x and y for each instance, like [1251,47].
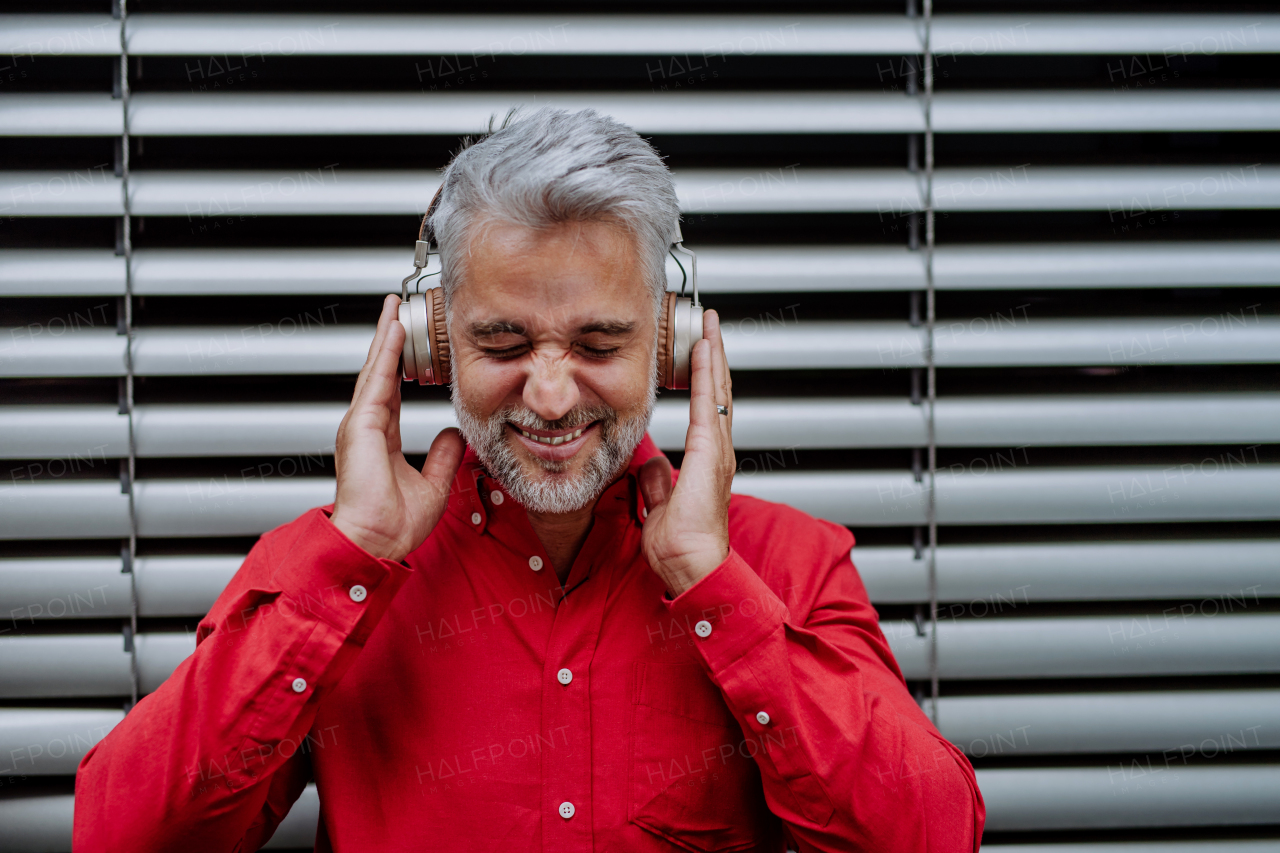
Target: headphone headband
[422,249]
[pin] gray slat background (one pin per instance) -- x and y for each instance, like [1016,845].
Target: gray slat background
[1108,416]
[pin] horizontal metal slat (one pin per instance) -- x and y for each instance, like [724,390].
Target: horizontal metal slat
[1180,724]
[1108,112]
[50,741]
[73,438]
[706,37]
[67,665]
[1129,796]
[1076,420]
[42,823]
[245,504]
[240,505]
[981,580]
[1015,340]
[1161,35]
[96,588]
[1101,265]
[745,269]
[64,272]
[308,113]
[1029,495]
[1123,190]
[1167,643]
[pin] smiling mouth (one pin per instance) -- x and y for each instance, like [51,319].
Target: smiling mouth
[553,440]
[554,445]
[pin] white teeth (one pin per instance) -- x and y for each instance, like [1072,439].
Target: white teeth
[559,439]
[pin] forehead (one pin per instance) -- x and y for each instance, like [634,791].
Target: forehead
[563,277]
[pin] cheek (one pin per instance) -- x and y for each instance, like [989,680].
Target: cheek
[485,384]
[623,384]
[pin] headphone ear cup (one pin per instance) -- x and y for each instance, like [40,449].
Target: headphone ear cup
[415,357]
[438,334]
[408,355]
[666,343]
[425,356]
[685,329]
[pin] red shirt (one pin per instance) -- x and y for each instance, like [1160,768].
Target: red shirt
[467,702]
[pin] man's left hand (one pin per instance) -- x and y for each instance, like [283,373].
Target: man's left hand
[686,533]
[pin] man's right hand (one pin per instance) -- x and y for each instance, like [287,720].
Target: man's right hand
[384,505]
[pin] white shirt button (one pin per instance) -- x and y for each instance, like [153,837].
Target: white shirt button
[702,629]
[566,810]
[535,563]
[564,676]
[762,717]
[358,593]
[496,497]
[475,518]
[299,685]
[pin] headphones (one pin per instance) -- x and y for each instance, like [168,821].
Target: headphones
[425,358]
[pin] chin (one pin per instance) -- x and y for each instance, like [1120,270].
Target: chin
[559,478]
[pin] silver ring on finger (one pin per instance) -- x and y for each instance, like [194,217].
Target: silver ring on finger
[724,410]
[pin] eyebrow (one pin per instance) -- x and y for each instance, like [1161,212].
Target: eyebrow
[607,327]
[494,328]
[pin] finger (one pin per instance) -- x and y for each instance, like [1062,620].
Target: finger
[702,395]
[443,459]
[389,317]
[719,368]
[655,483]
[394,439]
[380,380]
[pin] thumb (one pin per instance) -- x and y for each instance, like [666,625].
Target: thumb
[443,459]
[655,482]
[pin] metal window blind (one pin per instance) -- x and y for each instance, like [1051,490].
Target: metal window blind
[1071,225]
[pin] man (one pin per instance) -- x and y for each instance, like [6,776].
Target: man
[544,640]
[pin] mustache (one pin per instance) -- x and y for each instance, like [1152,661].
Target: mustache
[576,417]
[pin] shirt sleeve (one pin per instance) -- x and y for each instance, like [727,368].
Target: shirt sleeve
[216,756]
[847,758]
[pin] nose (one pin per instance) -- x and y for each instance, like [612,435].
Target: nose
[551,389]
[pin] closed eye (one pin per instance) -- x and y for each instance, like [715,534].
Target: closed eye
[597,352]
[503,353]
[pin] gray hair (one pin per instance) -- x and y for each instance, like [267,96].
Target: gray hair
[553,166]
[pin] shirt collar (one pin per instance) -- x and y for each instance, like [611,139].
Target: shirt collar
[473,489]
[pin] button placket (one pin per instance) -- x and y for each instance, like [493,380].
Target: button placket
[567,767]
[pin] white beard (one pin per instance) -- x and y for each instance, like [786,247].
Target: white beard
[549,490]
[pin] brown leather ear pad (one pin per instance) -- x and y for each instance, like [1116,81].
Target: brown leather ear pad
[666,322]
[438,334]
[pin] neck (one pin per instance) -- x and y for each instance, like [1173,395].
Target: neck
[562,534]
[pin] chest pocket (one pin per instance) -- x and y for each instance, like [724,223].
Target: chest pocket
[693,780]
